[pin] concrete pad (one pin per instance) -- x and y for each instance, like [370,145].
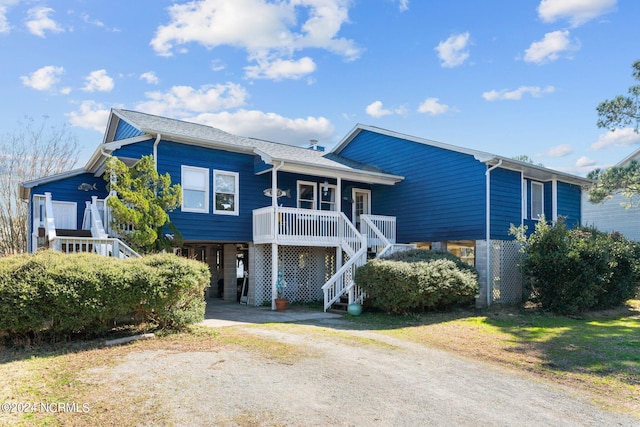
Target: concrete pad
[221,313]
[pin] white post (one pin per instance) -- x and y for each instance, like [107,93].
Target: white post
[554,200]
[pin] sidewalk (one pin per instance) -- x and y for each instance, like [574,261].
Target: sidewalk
[221,313]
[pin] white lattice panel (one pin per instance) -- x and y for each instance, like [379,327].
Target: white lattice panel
[305,269]
[506,276]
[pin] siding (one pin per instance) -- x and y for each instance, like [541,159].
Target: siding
[66,190]
[610,216]
[125,130]
[506,202]
[442,196]
[209,226]
[569,203]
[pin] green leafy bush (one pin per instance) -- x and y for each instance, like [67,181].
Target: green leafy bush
[578,270]
[418,280]
[54,294]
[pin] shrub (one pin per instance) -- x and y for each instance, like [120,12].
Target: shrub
[578,270]
[417,280]
[57,295]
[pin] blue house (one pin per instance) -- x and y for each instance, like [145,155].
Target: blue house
[256,210]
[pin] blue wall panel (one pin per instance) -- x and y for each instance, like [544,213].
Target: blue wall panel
[442,196]
[135,151]
[66,190]
[569,203]
[209,226]
[125,130]
[506,202]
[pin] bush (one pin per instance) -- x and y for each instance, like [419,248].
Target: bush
[578,270]
[54,294]
[418,280]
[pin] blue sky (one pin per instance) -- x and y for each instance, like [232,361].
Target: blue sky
[507,77]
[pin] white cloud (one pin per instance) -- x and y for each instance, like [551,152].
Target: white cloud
[550,48]
[375,109]
[181,101]
[279,69]
[269,126]
[44,78]
[98,80]
[150,77]
[620,138]
[5,26]
[453,51]
[38,21]
[264,29]
[514,95]
[577,12]
[404,5]
[91,115]
[433,107]
[559,151]
[584,161]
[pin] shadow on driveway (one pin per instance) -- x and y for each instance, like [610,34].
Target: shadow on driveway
[221,313]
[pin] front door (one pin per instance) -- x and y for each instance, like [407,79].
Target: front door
[361,205]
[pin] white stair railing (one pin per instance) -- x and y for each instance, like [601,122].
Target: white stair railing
[342,282]
[383,241]
[109,246]
[49,221]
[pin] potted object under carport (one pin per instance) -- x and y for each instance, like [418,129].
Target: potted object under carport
[282,302]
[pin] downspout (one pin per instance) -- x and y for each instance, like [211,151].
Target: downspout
[274,228]
[488,228]
[155,150]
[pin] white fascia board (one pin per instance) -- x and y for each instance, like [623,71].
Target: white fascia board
[351,175]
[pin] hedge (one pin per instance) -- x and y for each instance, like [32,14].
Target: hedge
[571,271]
[418,280]
[54,294]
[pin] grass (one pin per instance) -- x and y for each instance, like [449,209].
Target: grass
[598,354]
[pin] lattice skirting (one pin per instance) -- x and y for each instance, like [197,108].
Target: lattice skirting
[305,269]
[506,276]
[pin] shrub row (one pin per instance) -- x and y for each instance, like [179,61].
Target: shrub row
[581,269]
[418,280]
[56,294]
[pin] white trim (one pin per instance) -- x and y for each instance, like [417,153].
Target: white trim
[333,204]
[523,206]
[205,171]
[315,194]
[236,195]
[554,200]
[531,213]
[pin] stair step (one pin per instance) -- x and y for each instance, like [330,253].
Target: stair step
[334,311]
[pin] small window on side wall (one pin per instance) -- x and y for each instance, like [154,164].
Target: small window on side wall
[195,189]
[307,195]
[225,189]
[537,200]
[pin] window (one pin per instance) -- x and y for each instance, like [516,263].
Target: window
[306,195]
[537,200]
[328,198]
[225,188]
[195,189]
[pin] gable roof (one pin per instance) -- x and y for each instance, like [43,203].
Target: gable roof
[288,158]
[530,170]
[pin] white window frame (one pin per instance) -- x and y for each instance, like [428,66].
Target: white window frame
[236,194]
[541,186]
[315,194]
[332,205]
[205,188]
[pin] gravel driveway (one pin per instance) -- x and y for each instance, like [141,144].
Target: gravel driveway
[348,378]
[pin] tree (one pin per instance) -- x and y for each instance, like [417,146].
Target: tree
[624,178]
[33,150]
[143,199]
[526,159]
[622,111]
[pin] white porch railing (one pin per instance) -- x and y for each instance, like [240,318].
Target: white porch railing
[109,246]
[381,234]
[293,226]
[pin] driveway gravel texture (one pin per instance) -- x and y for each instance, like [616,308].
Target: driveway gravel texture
[344,377]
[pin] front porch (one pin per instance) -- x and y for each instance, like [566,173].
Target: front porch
[316,252]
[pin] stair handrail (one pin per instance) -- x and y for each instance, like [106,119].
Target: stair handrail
[97,228]
[342,281]
[378,233]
